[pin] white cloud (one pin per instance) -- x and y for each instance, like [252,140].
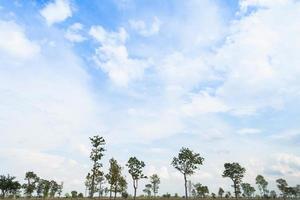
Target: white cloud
[249,131]
[146,30]
[287,165]
[203,103]
[56,11]
[14,42]
[260,69]
[73,33]
[113,58]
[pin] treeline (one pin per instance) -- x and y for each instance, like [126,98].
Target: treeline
[34,186]
[113,183]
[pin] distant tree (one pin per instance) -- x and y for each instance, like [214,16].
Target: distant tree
[113,176]
[297,190]
[9,186]
[167,195]
[31,184]
[282,186]
[262,185]
[201,190]
[155,181]
[186,163]
[54,187]
[46,188]
[40,188]
[74,194]
[228,194]
[80,195]
[235,172]
[96,156]
[273,194]
[135,169]
[100,180]
[147,189]
[60,188]
[213,195]
[248,190]
[221,192]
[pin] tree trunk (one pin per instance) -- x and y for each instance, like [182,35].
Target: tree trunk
[185,186]
[110,192]
[235,190]
[115,192]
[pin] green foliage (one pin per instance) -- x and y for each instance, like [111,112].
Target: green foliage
[186,163]
[9,186]
[201,190]
[74,194]
[155,181]
[235,172]
[147,189]
[96,155]
[135,169]
[262,185]
[32,180]
[115,179]
[282,186]
[221,192]
[80,195]
[248,190]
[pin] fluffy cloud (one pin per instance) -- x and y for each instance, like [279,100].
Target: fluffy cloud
[14,42]
[260,69]
[73,33]
[113,58]
[146,30]
[56,11]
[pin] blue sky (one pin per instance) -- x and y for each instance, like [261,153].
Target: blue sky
[220,77]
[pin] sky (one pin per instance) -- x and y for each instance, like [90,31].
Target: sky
[150,76]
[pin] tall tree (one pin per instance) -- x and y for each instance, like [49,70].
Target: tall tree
[248,190]
[96,155]
[235,172]
[201,190]
[186,163]
[31,184]
[282,186]
[262,185]
[135,169]
[54,187]
[113,176]
[147,189]
[155,181]
[221,192]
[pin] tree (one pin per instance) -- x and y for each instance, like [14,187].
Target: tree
[31,184]
[155,181]
[8,185]
[114,176]
[135,169]
[235,172]
[201,190]
[54,187]
[96,156]
[74,194]
[147,189]
[186,163]
[282,185]
[221,192]
[60,188]
[46,188]
[262,185]
[273,194]
[248,190]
